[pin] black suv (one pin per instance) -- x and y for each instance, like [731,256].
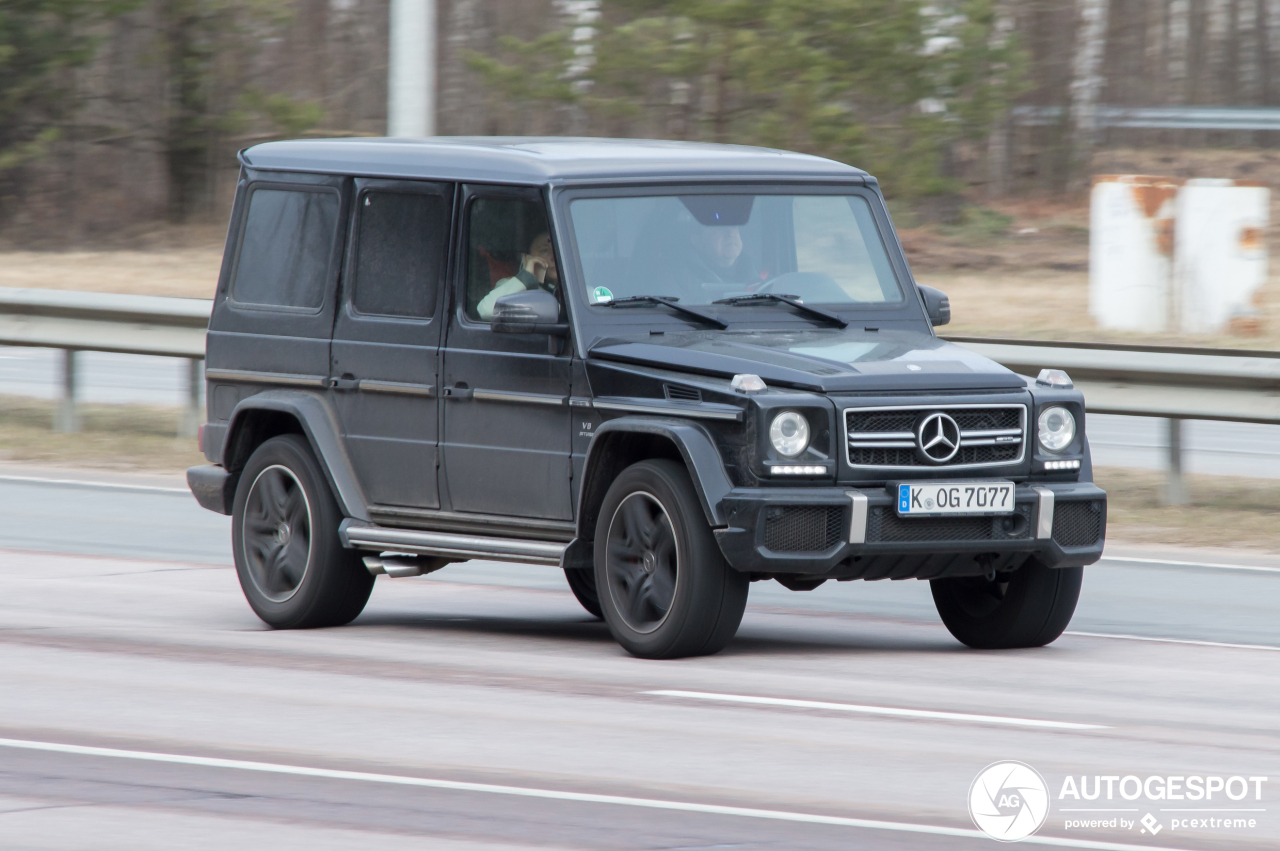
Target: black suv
[670,369]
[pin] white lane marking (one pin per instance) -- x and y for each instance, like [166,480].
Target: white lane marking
[553,794]
[1192,564]
[106,486]
[879,710]
[1173,640]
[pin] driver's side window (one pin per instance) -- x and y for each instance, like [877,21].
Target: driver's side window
[509,250]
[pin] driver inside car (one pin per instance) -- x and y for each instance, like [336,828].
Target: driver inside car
[537,271]
[715,255]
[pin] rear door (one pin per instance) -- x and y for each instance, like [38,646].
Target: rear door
[385,354]
[274,310]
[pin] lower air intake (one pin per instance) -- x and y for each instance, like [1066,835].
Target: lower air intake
[884,526]
[1078,524]
[803,528]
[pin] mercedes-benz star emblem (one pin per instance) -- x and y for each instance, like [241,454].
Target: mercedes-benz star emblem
[938,437]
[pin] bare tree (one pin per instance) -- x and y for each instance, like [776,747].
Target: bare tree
[1000,142]
[1262,26]
[1086,79]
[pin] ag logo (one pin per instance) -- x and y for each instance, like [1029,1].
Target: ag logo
[1009,801]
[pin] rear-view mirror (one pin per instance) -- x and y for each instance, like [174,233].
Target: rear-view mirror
[936,304]
[529,312]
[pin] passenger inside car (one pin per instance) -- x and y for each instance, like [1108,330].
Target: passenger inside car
[537,269]
[510,250]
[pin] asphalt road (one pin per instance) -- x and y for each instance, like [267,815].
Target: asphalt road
[142,705]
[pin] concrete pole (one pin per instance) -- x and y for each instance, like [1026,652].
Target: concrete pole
[67,419]
[411,69]
[1175,488]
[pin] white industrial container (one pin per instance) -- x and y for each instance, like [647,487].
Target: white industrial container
[1220,255]
[1131,235]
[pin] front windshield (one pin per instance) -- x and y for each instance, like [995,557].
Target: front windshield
[822,249]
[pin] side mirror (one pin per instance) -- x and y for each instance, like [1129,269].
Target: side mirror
[529,312]
[936,304]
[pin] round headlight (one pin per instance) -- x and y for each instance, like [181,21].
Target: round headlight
[789,433]
[1057,428]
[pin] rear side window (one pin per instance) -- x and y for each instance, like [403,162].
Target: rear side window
[284,253]
[400,250]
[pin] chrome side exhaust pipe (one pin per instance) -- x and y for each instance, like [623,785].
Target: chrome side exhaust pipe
[398,565]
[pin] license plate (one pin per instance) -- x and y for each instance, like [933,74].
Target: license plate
[933,498]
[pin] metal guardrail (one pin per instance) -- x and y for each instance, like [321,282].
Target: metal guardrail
[1177,382]
[1172,382]
[105,322]
[1160,117]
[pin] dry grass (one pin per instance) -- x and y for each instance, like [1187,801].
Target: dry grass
[1052,305]
[181,272]
[1223,511]
[113,437]
[1002,301]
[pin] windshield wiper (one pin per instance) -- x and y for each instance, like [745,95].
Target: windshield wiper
[670,301]
[794,301]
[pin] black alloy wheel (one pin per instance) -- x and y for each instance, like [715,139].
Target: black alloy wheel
[640,561]
[277,533]
[1029,607]
[291,564]
[663,584]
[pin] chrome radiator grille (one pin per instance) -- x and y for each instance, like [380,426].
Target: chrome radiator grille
[889,437]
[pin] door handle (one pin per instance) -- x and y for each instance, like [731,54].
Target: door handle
[456,392]
[345,383]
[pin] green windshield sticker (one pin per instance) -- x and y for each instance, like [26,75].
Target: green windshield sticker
[601,295]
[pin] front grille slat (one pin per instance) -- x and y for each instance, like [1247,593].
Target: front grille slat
[803,528]
[874,436]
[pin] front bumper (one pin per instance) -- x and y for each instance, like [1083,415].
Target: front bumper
[843,533]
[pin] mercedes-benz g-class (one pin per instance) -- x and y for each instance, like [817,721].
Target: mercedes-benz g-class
[670,369]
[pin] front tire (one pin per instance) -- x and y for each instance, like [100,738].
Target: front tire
[663,584]
[292,567]
[1027,608]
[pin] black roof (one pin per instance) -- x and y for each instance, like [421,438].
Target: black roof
[538,160]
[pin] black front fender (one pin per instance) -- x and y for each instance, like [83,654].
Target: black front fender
[319,425]
[691,440]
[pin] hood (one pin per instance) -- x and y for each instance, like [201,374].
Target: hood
[849,360]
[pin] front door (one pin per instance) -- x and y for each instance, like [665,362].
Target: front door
[385,355]
[506,436]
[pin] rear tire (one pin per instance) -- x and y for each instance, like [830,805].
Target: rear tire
[664,586]
[292,567]
[1027,608]
[582,582]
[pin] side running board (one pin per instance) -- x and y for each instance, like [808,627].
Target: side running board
[447,545]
